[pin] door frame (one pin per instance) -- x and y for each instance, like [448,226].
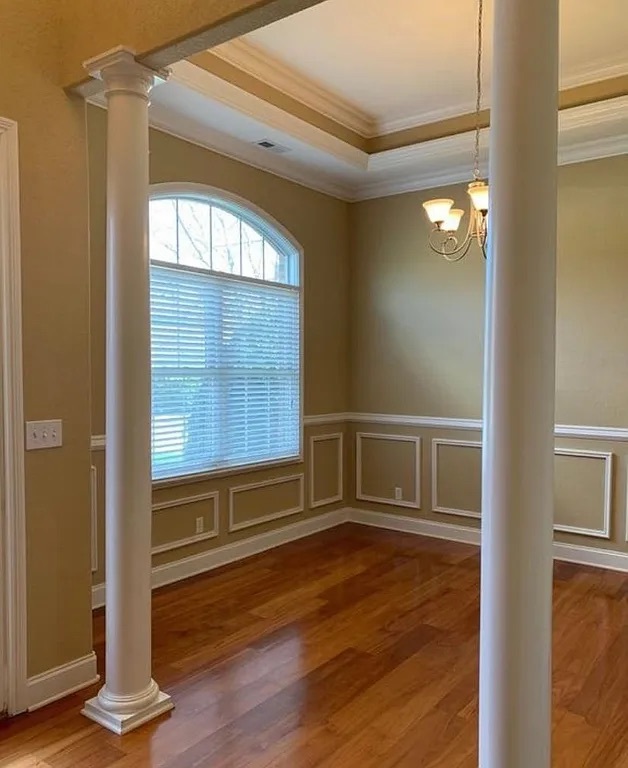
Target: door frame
[12,483]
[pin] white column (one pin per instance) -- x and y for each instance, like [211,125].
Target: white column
[130,696]
[518,490]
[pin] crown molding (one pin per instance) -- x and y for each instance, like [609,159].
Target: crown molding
[273,72]
[182,128]
[213,87]
[600,70]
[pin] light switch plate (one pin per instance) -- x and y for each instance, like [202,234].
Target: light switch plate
[44,434]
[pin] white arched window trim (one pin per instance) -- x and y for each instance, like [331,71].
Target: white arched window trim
[276,233]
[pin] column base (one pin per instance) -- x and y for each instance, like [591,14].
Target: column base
[122,723]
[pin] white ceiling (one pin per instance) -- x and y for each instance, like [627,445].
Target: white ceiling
[374,71]
[411,61]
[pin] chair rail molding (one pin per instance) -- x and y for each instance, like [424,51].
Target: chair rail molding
[12,505]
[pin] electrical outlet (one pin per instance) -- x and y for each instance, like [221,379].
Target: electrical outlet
[200,525]
[398,493]
[44,434]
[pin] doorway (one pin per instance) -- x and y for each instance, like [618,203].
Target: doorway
[12,506]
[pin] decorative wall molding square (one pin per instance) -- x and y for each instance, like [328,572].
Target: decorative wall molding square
[212,533]
[436,507]
[361,496]
[339,495]
[233,492]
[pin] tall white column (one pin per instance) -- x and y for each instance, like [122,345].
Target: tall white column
[518,490]
[130,696]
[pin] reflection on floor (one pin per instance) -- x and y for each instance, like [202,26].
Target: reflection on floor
[353,648]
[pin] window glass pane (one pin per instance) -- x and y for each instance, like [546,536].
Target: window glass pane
[275,265]
[163,230]
[252,253]
[225,242]
[194,234]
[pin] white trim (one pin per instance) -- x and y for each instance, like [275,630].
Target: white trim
[93,476]
[435,505]
[233,526]
[435,530]
[270,71]
[175,503]
[325,418]
[605,531]
[429,422]
[570,553]
[12,503]
[416,503]
[339,495]
[181,127]
[61,681]
[323,162]
[595,72]
[616,434]
[230,553]
[213,87]
[598,558]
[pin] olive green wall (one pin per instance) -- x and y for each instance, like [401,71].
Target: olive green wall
[321,225]
[417,350]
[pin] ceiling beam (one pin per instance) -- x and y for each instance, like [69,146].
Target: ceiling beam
[161,32]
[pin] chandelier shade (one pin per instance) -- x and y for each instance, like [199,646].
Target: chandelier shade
[438,210]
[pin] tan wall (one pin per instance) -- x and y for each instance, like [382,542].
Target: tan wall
[417,321]
[320,224]
[55,294]
[416,349]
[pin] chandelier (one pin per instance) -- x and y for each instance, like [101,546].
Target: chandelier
[446,219]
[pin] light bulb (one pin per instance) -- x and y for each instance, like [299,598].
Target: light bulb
[438,210]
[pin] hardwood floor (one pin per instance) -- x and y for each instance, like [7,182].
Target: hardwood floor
[355,648]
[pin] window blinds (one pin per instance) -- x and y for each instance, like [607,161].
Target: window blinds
[225,371]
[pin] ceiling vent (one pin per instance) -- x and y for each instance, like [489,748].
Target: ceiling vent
[272,146]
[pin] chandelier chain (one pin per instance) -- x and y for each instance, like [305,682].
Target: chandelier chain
[478,100]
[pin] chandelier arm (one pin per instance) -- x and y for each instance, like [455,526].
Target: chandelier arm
[456,253]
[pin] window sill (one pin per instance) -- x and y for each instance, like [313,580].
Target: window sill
[215,474]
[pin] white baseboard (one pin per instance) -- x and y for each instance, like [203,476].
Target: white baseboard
[405,524]
[214,558]
[61,681]
[599,558]
[570,553]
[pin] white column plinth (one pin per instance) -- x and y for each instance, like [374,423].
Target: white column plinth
[518,488]
[129,697]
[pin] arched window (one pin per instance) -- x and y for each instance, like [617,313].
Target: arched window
[225,336]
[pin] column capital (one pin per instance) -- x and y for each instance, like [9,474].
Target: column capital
[121,73]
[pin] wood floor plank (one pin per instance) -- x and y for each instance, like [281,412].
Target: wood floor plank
[354,648]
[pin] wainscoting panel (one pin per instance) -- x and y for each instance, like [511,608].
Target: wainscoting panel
[173,531]
[583,492]
[326,469]
[256,503]
[388,469]
[457,477]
